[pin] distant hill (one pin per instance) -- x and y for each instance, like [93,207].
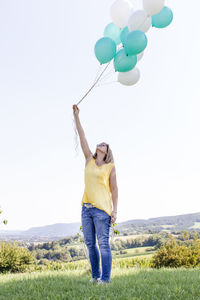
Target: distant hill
[169,223]
[43,233]
[61,230]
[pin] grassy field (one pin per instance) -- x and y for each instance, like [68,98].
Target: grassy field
[131,236]
[167,226]
[196,225]
[131,252]
[133,283]
[134,252]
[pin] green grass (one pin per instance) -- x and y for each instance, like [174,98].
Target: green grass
[196,225]
[134,252]
[133,283]
[131,236]
[167,226]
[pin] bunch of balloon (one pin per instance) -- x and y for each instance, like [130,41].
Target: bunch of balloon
[124,39]
[129,29]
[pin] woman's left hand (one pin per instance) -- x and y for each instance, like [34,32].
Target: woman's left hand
[113,217]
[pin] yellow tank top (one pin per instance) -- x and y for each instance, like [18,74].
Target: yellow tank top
[97,188]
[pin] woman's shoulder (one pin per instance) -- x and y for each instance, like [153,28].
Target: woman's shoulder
[110,166]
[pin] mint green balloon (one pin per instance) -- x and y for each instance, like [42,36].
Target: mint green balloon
[113,32]
[163,18]
[105,50]
[124,34]
[135,42]
[124,62]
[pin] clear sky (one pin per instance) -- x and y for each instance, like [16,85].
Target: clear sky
[47,63]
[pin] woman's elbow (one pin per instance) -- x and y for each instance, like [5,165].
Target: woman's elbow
[114,189]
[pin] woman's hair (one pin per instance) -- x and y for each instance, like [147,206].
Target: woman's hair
[108,157]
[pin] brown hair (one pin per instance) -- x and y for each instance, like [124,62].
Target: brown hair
[108,157]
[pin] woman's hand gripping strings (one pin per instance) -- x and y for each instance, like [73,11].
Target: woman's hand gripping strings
[76,110]
[113,217]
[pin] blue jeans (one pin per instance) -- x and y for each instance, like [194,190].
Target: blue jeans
[97,222]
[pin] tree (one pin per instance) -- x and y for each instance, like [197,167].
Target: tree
[4,221]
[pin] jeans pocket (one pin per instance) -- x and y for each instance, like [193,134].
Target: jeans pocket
[85,212]
[103,217]
[101,212]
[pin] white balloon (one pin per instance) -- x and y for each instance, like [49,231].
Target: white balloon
[153,7]
[140,56]
[129,78]
[120,11]
[139,21]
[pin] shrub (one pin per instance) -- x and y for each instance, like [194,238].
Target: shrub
[174,255]
[14,258]
[123,252]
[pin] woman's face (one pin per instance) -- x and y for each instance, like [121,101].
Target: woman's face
[102,147]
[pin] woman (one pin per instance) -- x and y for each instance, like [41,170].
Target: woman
[99,203]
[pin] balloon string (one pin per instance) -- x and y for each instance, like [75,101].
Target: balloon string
[93,85]
[105,83]
[98,71]
[107,75]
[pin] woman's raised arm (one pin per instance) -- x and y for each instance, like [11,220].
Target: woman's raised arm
[84,144]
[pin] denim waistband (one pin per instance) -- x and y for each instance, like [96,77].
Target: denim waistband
[88,205]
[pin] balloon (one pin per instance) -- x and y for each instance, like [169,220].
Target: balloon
[123,34]
[140,56]
[120,11]
[152,7]
[135,43]
[105,50]
[123,62]
[139,21]
[163,18]
[113,32]
[129,78]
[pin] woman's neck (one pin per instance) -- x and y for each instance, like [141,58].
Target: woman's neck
[100,160]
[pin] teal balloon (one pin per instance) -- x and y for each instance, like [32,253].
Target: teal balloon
[123,35]
[163,18]
[105,50]
[124,62]
[135,42]
[113,32]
